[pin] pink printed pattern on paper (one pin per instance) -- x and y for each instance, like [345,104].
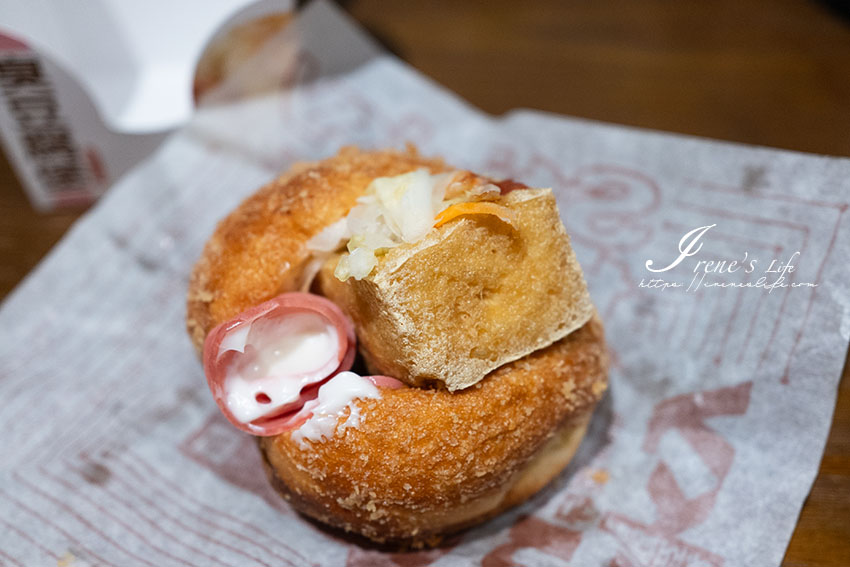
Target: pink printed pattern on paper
[232,456]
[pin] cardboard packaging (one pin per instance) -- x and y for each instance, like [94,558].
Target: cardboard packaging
[90,88]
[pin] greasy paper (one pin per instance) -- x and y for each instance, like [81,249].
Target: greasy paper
[725,359]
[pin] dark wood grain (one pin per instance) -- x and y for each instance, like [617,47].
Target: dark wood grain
[25,235]
[769,72]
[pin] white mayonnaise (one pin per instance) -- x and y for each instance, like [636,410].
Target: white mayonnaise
[280,355]
[334,397]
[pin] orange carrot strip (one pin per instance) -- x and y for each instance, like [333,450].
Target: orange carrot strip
[476,208]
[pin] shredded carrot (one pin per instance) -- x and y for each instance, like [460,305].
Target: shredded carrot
[476,208]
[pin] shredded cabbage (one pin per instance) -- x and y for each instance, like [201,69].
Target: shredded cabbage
[394,210]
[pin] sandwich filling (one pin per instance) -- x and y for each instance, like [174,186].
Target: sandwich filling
[402,210]
[334,399]
[283,365]
[275,358]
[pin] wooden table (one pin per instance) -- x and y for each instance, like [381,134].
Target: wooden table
[774,73]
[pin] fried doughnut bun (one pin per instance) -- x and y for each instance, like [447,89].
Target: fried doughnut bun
[423,463]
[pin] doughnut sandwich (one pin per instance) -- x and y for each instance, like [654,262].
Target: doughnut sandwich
[413,346]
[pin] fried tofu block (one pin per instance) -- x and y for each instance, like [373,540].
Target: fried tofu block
[472,295]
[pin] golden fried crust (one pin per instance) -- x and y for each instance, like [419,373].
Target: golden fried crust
[426,462]
[259,250]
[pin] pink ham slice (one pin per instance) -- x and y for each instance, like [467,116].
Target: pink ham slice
[238,375]
[257,392]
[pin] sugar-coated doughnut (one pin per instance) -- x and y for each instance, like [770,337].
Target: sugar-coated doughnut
[421,462]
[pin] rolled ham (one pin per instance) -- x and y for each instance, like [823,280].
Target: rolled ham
[265,366]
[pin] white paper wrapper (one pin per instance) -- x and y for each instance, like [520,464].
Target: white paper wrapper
[702,454]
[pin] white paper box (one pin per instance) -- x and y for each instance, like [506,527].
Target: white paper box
[91,87]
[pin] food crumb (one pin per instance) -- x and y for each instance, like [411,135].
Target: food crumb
[598,388]
[600,476]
